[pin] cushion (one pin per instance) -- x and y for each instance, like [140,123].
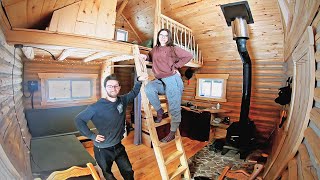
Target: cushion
[58,153]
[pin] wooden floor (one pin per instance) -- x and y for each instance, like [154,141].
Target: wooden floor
[144,161]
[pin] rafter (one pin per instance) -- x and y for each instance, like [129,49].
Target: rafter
[120,58]
[121,8]
[65,53]
[131,27]
[96,56]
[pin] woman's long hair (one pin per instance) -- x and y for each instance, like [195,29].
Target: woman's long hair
[169,42]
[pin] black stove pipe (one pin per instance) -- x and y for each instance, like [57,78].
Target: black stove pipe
[247,76]
[241,135]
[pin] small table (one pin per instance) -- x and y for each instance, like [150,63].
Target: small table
[212,111]
[221,128]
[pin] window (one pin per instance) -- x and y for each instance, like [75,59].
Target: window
[59,89]
[121,35]
[211,87]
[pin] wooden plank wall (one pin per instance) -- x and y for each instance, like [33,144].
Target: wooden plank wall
[126,77]
[265,47]
[305,163]
[88,18]
[121,23]
[299,113]
[14,133]
[46,65]
[140,14]
[32,14]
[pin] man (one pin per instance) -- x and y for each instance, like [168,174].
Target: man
[108,116]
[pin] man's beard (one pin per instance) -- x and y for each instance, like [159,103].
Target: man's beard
[112,95]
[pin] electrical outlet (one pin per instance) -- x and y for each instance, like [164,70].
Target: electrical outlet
[32,86]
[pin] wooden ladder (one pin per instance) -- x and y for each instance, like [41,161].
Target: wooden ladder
[179,153]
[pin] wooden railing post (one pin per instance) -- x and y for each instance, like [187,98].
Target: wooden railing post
[181,34]
[156,21]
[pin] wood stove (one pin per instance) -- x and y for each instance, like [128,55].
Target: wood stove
[241,135]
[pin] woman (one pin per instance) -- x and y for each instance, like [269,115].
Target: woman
[166,59]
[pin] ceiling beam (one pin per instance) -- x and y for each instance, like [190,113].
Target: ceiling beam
[28,52]
[38,37]
[96,56]
[121,8]
[120,58]
[65,53]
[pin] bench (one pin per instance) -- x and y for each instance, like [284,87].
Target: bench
[54,143]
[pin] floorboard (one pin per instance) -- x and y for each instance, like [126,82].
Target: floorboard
[144,161]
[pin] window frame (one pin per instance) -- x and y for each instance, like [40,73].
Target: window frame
[46,77]
[123,31]
[223,77]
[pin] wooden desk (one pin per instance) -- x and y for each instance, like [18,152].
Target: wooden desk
[214,127]
[212,111]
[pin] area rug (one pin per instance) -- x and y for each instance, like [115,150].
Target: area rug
[207,163]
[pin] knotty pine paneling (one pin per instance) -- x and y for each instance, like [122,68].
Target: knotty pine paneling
[32,13]
[140,14]
[265,47]
[44,65]
[122,24]
[308,149]
[214,37]
[126,78]
[14,133]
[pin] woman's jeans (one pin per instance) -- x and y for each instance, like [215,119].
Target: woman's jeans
[173,90]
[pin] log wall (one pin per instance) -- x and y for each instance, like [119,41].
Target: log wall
[221,57]
[126,78]
[295,152]
[45,65]
[14,133]
[214,37]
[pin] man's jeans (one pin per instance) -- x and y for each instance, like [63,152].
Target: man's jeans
[117,153]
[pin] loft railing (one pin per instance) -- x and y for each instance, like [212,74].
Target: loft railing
[182,37]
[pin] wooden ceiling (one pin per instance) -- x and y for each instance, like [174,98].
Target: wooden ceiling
[204,17]
[209,27]
[32,14]
[36,14]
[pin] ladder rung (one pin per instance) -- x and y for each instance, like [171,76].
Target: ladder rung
[173,157]
[163,106]
[177,138]
[154,112]
[163,122]
[179,171]
[148,125]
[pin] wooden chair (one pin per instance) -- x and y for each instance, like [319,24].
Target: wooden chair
[75,171]
[241,174]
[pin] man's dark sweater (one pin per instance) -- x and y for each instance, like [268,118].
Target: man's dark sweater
[108,117]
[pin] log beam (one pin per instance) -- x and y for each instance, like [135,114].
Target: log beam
[96,56]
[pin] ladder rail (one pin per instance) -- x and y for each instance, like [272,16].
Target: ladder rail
[141,70]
